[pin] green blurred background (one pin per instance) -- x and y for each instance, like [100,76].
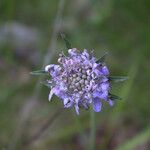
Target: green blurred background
[30,37]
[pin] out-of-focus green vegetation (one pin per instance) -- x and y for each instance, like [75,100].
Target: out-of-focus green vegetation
[120,27]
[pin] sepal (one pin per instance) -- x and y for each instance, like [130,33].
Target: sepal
[48,84]
[114,97]
[39,72]
[117,78]
[67,43]
[102,59]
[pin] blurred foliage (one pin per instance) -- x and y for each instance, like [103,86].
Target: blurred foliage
[119,27]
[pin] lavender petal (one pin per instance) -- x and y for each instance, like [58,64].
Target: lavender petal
[97,105]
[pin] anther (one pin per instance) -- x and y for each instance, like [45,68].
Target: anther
[83,71]
[74,75]
[81,81]
[59,60]
[88,78]
[84,76]
[79,88]
[80,92]
[80,70]
[77,84]
[86,82]
[78,78]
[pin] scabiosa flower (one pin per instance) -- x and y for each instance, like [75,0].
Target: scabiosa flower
[79,80]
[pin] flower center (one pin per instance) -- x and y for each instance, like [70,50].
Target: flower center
[79,81]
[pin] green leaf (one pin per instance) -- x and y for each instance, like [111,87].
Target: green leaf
[68,45]
[39,72]
[114,97]
[118,78]
[102,59]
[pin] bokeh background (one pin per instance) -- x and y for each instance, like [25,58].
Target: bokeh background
[30,38]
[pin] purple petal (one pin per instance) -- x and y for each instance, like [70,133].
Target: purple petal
[104,79]
[111,103]
[73,52]
[69,62]
[77,109]
[85,53]
[95,65]
[105,70]
[54,90]
[66,100]
[86,63]
[100,95]
[104,86]
[54,70]
[50,94]
[97,105]
[104,95]
[96,94]
[47,68]
[97,72]
[96,69]
[61,94]
[69,104]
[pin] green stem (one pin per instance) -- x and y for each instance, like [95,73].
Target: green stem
[93,130]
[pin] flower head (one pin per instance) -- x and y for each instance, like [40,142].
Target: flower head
[79,80]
